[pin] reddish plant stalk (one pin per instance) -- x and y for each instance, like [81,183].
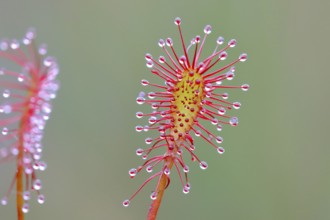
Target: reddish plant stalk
[162,185]
[20,184]
[155,205]
[20,165]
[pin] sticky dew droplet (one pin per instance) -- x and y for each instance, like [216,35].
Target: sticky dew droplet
[192,147]
[186,190]
[162,59]
[169,42]
[6,93]
[4,201]
[177,21]
[126,203]
[144,82]
[203,165]
[245,87]
[132,172]
[149,169]
[243,57]
[140,100]
[233,121]
[208,29]
[4,131]
[146,128]
[219,139]
[139,114]
[14,44]
[139,151]
[221,150]
[49,61]
[26,195]
[161,43]
[7,109]
[223,55]
[41,199]
[232,43]
[236,105]
[42,49]
[214,121]
[148,140]
[220,40]
[221,111]
[42,166]
[198,133]
[152,120]
[167,171]
[25,208]
[186,169]
[138,128]
[153,196]
[20,78]
[37,184]
[4,45]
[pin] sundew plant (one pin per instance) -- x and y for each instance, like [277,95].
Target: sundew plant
[28,84]
[194,94]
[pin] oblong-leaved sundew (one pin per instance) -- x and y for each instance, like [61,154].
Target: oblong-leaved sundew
[194,93]
[28,84]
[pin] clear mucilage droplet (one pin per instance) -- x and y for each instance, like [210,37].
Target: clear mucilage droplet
[140,100]
[139,151]
[208,29]
[37,184]
[4,131]
[25,208]
[221,150]
[6,93]
[132,172]
[126,203]
[243,57]
[186,190]
[203,165]
[4,201]
[186,169]
[149,169]
[26,195]
[220,40]
[148,140]
[14,44]
[42,166]
[233,121]
[20,78]
[167,171]
[41,199]
[153,196]
[236,105]
[245,87]
[219,139]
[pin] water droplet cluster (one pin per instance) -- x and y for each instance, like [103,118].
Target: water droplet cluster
[25,107]
[194,93]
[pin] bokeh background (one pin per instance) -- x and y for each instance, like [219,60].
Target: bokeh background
[276,164]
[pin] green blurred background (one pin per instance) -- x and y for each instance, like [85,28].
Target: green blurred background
[276,164]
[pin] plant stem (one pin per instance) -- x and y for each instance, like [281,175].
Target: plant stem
[156,203]
[19,185]
[20,166]
[153,210]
